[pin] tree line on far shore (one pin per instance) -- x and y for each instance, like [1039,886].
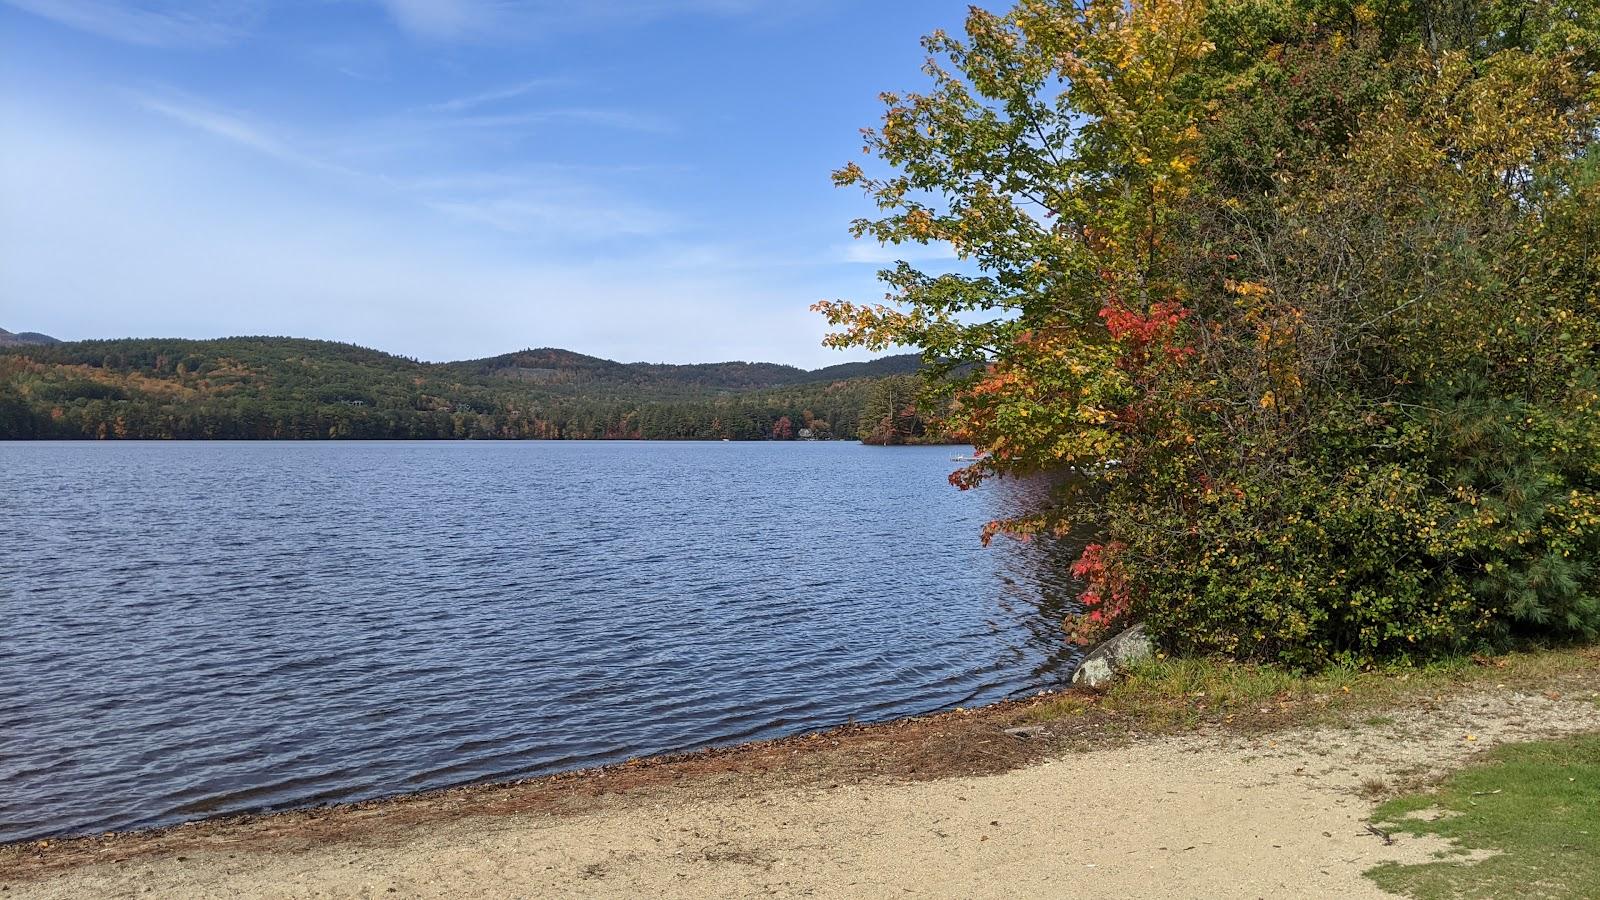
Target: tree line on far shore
[287,389]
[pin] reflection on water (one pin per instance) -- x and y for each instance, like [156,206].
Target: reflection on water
[1037,585]
[195,629]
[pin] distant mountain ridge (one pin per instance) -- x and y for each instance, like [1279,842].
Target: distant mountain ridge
[295,388]
[24,339]
[732,375]
[549,363]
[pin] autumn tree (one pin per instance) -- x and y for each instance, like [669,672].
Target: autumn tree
[1302,292]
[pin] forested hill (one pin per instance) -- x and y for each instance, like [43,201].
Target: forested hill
[288,388]
[551,366]
[25,338]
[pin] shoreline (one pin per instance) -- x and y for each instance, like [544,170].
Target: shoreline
[1265,794]
[733,755]
[940,735]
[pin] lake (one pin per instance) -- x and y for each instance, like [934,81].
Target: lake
[194,629]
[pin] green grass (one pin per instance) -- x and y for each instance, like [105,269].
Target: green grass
[1535,807]
[1182,693]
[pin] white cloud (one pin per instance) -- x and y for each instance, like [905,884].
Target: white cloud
[442,19]
[235,129]
[617,119]
[214,23]
[571,214]
[494,95]
[452,20]
[545,202]
[152,23]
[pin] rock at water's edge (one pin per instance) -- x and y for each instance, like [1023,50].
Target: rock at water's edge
[1112,658]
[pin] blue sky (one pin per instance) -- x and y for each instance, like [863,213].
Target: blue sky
[637,179]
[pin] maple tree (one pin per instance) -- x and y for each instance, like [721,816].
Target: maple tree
[1302,293]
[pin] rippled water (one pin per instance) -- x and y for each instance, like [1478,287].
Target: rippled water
[203,628]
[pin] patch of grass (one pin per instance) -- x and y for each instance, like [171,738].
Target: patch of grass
[1374,787]
[1060,706]
[1535,807]
[1187,692]
[1178,694]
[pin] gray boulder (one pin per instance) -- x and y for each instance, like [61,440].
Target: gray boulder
[1114,657]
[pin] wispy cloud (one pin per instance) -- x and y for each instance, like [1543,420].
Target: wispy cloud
[449,20]
[237,130]
[531,201]
[494,96]
[443,19]
[152,23]
[619,119]
[547,210]
[213,23]
[514,178]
